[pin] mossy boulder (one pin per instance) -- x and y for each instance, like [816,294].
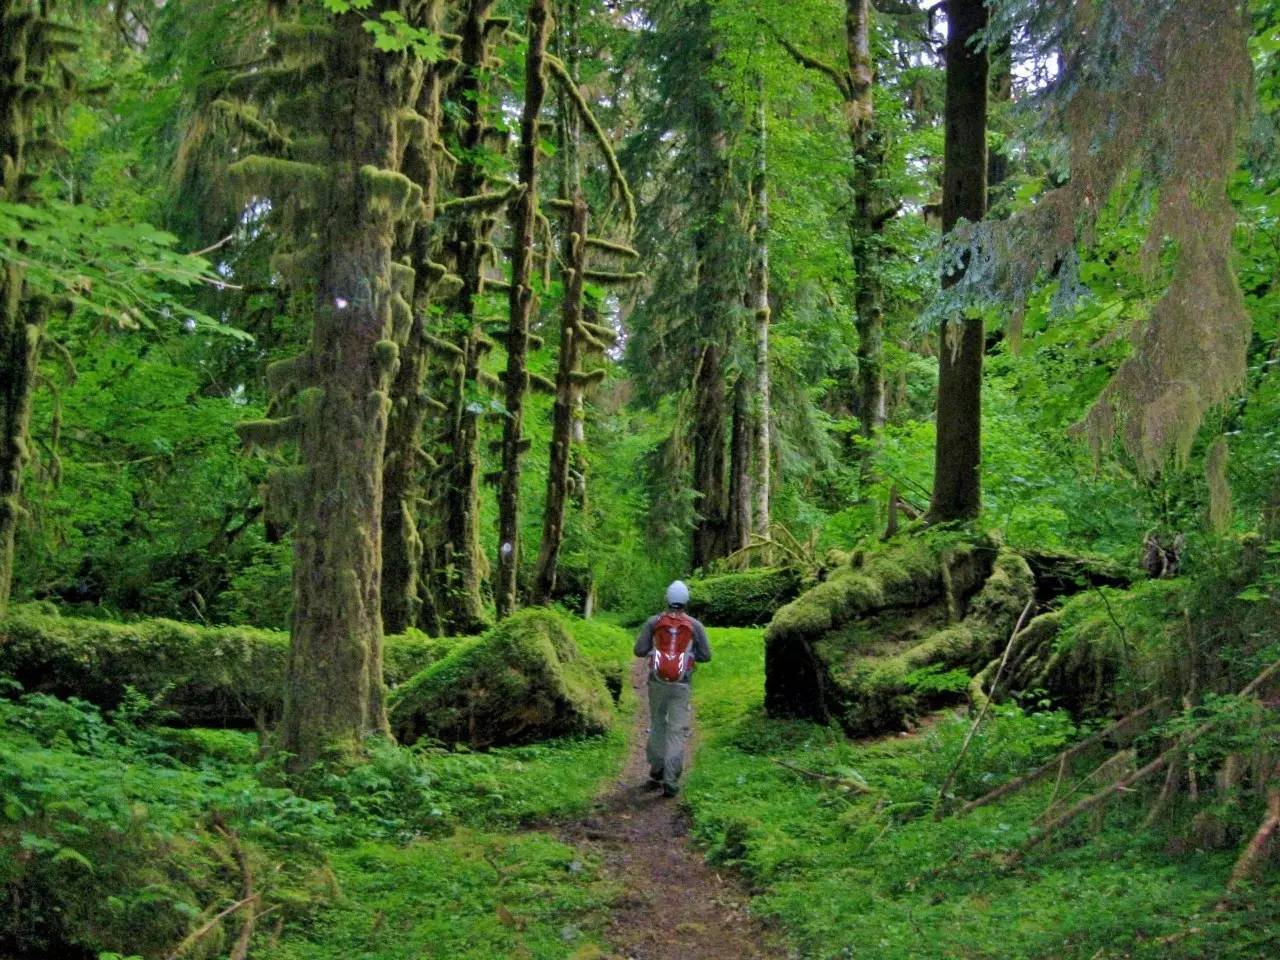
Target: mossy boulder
[209,676]
[743,599]
[864,648]
[524,680]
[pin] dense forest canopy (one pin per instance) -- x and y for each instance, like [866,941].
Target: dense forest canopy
[943,338]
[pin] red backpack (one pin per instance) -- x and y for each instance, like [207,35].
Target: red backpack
[671,659]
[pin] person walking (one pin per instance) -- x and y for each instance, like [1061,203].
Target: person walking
[673,642]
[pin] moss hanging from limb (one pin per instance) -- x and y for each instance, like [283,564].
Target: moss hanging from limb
[521,304]
[619,180]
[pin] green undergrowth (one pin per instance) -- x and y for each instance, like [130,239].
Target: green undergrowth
[120,834]
[854,865]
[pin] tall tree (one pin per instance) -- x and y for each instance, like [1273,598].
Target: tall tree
[33,47]
[761,314]
[342,199]
[580,336]
[405,461]
[870,207]
[522,304]
[458,565]
[957,490]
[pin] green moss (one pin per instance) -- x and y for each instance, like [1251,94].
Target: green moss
[524,680]
[210,676]
[743,599]
[390,192]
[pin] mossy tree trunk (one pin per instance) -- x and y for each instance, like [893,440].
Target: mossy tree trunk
[957,490]
[869,216]
[459,565]
[522,304]
[720,291]
[741,475]
[405,461]
[564,411]
[29,42]
[344,198]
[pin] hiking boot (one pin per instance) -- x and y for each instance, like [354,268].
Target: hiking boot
[670,789]
[653,783]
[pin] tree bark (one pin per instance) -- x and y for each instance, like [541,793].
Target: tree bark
[522,303]
[710,535]
[957,491]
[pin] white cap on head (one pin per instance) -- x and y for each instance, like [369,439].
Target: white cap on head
[677,594]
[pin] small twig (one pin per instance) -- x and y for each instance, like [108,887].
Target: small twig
[199,934]
[977,721]
[823,777]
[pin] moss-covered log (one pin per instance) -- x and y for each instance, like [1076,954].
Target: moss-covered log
[209,676]
[743,599]
[843,651]
[524,680]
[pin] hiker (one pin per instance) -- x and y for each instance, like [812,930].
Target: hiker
[673,641]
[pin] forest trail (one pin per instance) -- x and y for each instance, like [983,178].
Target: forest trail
[673,905]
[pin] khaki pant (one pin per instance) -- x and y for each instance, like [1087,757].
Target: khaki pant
[668,729]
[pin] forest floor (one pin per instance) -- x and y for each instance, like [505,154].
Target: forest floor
[672,905]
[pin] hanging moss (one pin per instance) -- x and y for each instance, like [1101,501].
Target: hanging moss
[390,192]
[274,177]
[268,433]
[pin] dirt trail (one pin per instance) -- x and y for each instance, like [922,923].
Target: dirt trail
[674,906]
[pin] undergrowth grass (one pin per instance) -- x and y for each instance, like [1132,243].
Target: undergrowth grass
[114,839]
[856,866]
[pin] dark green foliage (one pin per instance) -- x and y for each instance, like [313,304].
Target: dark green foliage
[743,599]
[524,680]
[209,676]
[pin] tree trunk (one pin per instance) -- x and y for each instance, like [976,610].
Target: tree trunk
[564,412]
[522,304]
[761,313]
[334,693]
[460,564]
[741,475]
[22,322]
[866,222]
[402,545]
[22,317]
[957,492]
[710,535]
